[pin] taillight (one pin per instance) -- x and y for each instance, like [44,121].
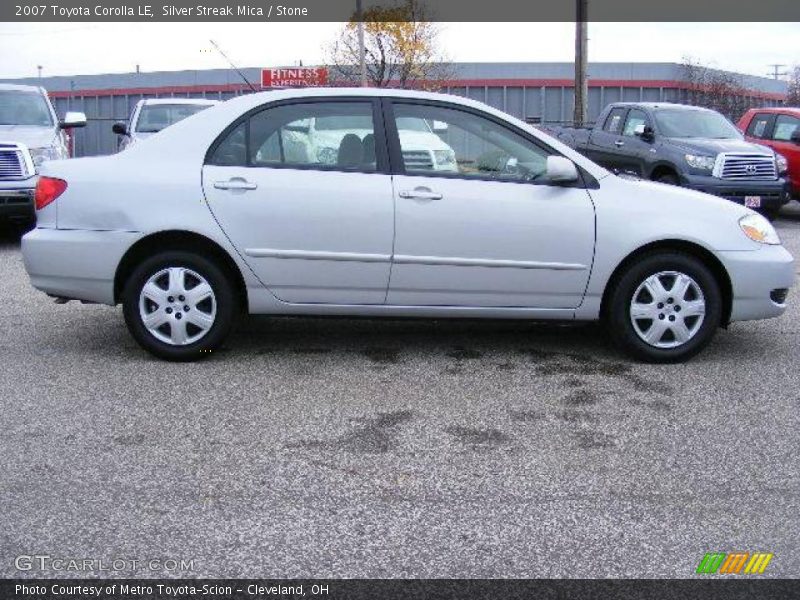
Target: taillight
[47,190]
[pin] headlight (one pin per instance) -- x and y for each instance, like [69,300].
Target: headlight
[444,157]
[39,155]
[782,164]
[758,229]
[703,163]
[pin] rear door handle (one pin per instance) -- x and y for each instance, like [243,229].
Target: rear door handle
[421,193]
[235,183]
[619,143]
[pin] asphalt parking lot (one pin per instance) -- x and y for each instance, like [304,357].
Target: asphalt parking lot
[355,448]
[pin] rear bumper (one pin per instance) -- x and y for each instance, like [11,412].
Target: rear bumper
[774,194]
[75,263]
[757,277]
[16,201]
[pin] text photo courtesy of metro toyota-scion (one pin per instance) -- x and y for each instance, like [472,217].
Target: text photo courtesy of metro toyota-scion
[399,299]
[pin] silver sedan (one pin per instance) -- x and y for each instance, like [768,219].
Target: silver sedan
[391,203]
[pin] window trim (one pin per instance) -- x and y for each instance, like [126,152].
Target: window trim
[381,150]
[585,179]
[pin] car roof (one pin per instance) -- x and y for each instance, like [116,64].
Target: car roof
[659,105]
[785,110]
[201,101]
[16,87]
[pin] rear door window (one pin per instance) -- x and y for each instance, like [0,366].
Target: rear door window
[614,120]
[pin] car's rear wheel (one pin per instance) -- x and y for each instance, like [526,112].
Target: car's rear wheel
[179,305]
[665,308]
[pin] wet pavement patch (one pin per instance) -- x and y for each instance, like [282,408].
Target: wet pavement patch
[375,435]
[471,436]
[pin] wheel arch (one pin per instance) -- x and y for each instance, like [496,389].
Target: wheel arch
[675,245]
[663,168]
[178,240]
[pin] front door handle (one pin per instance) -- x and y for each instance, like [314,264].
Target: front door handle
[235,183]
[421,193]
[619,143]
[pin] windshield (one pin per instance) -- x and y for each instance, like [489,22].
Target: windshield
[155,117]
[695,124]
[24,108]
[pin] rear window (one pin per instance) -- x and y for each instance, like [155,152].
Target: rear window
[155,117]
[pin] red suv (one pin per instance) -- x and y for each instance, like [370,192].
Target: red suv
[778,128]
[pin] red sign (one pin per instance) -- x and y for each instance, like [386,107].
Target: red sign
[294,77]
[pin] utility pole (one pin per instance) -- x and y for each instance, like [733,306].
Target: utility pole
[776,71]
[581,51]
[362,61]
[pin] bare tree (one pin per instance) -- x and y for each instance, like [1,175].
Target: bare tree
[401,49]
[793,98]
[722,91]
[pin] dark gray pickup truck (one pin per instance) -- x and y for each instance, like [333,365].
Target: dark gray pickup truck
[682,145]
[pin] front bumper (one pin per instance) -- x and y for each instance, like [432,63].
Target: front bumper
[774,194]
[757,276]
[16,201]
[74,263]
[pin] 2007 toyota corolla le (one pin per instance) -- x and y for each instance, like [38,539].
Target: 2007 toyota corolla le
[391,203]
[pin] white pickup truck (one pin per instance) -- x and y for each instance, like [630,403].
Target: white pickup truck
[318,140]
[30,133]
[151,115]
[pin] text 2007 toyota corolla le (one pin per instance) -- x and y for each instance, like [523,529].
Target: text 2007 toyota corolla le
[389,203]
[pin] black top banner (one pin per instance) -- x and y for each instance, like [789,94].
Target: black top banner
[737,588]
[397,10]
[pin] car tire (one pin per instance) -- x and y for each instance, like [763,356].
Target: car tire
[669,179]
[654,321]
[190,303]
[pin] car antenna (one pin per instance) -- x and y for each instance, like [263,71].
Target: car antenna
[233,66]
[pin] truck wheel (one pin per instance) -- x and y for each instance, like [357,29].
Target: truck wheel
[665,308]
[179,306]
[771,213]
[668,178]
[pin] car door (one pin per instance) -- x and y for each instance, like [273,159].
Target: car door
[490,231]
[606,141]
[314,222]
[634,154]
[781,142]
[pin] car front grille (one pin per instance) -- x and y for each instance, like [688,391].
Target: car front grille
[417,160]
[12,162]
[741,166]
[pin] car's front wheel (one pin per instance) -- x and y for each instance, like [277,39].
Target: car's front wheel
[665,308]
[179,305]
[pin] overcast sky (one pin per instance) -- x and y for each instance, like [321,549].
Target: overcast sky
[84,48]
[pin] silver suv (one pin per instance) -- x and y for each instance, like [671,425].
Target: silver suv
[30,133]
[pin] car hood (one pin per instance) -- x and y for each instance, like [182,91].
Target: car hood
[680,198]
[32,137]
[708,146]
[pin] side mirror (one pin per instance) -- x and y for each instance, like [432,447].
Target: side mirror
[561,170]
[645,132]
[795,137]
[439,127]
[120,128]
[73,119]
